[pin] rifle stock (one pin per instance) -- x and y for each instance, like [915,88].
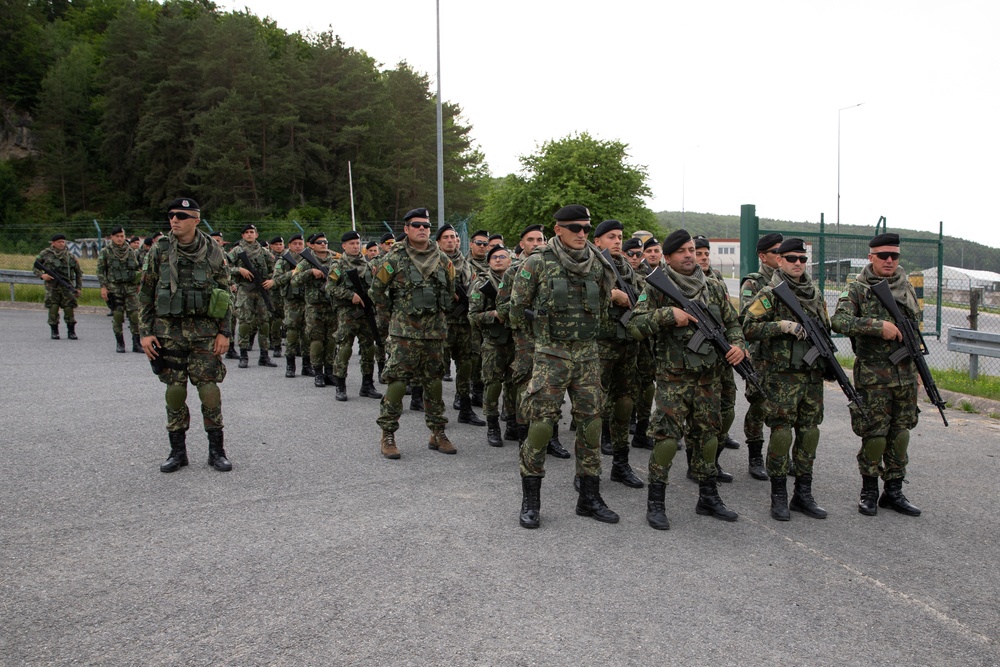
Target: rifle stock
[58,277]
[256,280]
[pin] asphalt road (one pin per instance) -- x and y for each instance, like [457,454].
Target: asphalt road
[315,550]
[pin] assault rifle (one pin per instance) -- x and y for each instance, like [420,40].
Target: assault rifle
[112,301]
[369,306]
[913,346]
[623,286]
[462,307]
[707,328]
[287,256]
[308,255]
[58,277]
[822,344]
[256,280]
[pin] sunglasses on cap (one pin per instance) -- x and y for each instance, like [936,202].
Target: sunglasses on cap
[634,253]
[894,256]
[795,258]
[576,228]
[180,215]
[481,242]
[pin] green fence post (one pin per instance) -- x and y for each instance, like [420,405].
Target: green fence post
[940,276]
[749,231]
[822,256]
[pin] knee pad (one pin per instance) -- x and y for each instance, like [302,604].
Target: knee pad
[395,391]
[210,395]
[900,441]
[808,440]
[623,410]
[780,441]
[539,434]
[664,451]
[873,448]
[433,390]
[176,396]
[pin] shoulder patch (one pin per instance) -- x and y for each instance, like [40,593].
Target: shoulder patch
[388,267]
[525,274]
[501,285]
[757,308]
[475,295]
[767,304]
[643,296]
[748,292]
[843,295]
[337,271]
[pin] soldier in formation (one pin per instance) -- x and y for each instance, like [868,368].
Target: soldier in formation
[118,272]
[320,314]
[63,284]
[251,268]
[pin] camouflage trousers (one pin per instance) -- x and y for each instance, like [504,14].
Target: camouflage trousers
[352,324]
[187,348]
[253,317]
[688,406]
[645,367]
[59,297]
[126,304]
[321,331]
[460,348]
[496,369]
[277,321]
[520,370]
[728,400]
[295,325]
[620,384]
[418,361]
[794,402]
[568,366]
[885,434]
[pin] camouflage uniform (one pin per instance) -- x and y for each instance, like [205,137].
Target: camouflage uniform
[464,341]
[753,421]
[498,344]
[728,397]
[277,320]
[645,366]
[119,271]
[250,309]
[478,268]
[292,300]
[320,317]
[57,296]
[351,318]
[524,342]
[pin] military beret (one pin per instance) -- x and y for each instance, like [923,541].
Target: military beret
[631,244]
[650,242]
[276,239]
[350,236]
[494,237]
[262,243]
[136,238]
[388,236]
[572,212]
[495,248]
[371,244]
[479,232]
[247,227]
[148,240]
[58,237]
[117,230]
[675,240]
[317,236]
[884,239]
[185,203]
[532,228]
[400,237]
[792,244]
[295,237]
[416,213]
[518,249]
[768,240]
[606,227]
[444,228]
[157,234]
[700,241]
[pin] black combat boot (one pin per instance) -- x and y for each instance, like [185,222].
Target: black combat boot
[447,376]
[590,502]
[477,394]
[531,502]
[318,378]
[729,443]
[779,499]
[178,453]
[690,473]
[641,439]
[510,430]
[555,448]
[276,351]
[710,504]
[71,331]
[417,398]
[466,414]
[307,369]
[216,452]
[244,359]
[368,388]
[720,474]
[120,343]
[656,511]
[892,497]
[331,379]
[756,459]
[606,447]
[457,403]
[868,505]
[136,345]
[265,360]
[231,353]
[493,432]
[290,366]
[802,498]
[622,472]
[55,331]
[341,386]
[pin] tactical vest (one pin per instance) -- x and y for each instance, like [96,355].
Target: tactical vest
[875,349]
[496,333]
[63,265]
[315,288]
[427,297]
[195,282]
[122,271]
[681,355]
[786,353]
[571,302]
[292,292]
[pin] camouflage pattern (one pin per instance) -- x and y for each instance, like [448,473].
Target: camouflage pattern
[464,340]
[276,323]
[250,309]
[57,296]
[293,301]
[498,343]
[688,383]
[352,323]
[120,276]
[524,343]
[753,420]
[186,338]
[320,316]
[728,374]
[477,269]
[619,353]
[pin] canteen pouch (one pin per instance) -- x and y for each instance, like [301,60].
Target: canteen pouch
[218,304]
[156,363]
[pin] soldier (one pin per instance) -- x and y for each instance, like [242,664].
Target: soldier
[147,244]
[276,246]
[652,253]
[248,258]
[645,361]
[57,259]
[793,387]
[385,244]
[618,352]
[888,390]
[753,421]
[689,382]
[135,242]
[371,250]
[231,353]
[118,271]
[492,241]
[351,318]
[479,245]
[293,299]
[184,304]
[415,290]
[320,313]
[461,334]
[498,345]
[568,286]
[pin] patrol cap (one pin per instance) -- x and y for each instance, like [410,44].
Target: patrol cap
[295,237]
[607,226]
[388,236]
[650,242]
[675,240]
[532,228]
[444,228]
[185,203]
[494,237]
[631,244]
[792,245]
[247,227]
[884,239]
[117,230]
[371,244]
[700,241]
[479,232]
[572,212]
[768,240]
[58,237]
[494,249]
[416,213]
[276,239]
[350,236]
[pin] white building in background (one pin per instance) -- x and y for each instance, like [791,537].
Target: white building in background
[955,278]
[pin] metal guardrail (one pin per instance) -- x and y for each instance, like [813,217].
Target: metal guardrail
[974,343]
[13,277]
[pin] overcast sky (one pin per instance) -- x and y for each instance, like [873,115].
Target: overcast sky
[726,103]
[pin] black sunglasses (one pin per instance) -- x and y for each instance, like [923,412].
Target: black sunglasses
[421,225]
[894,256]
[576,228]
[795,258]
[321,242]
[180,216]
[634,253]
[481,242]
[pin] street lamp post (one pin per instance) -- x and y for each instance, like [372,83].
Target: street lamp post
[838,159]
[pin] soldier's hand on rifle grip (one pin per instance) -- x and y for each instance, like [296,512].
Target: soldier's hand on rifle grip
[890,331]
[150,345]
[317,273]
[681,318]
[268,284]
[794,329]
[735,355]
[356,300]
[619,298]
[246,274]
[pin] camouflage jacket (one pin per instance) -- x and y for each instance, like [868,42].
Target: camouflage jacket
[481,307]
[753,283]
[282,276]
[341,290]
[779,351]
[262,264]
[67,266]
[115,272]
[616,332]
[477,267]
[313,288]
[503,293]
[415,307]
